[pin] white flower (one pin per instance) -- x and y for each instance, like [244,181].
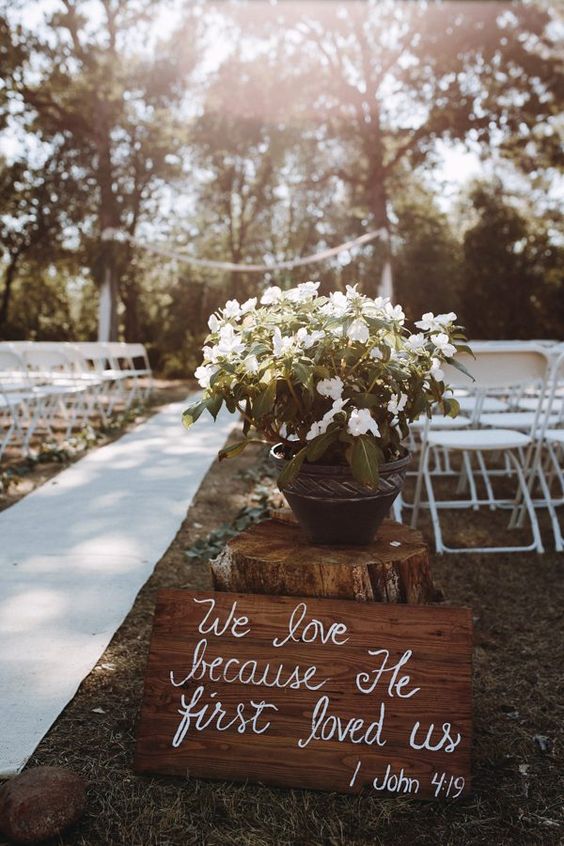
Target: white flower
[231,309]
[271,295]
[213,323]
[210,354]
[372,308]
[416,343]
[337,305]
[376,353]
[337,407]
[358,331]
[442,343]
[317,428]
[304,292]
[250,363]
[249,305]
[397,403]
[361,422]
[331,388]
[430,323]
[281,345]
[353,294]
[395,312]
[229,341]
[436,372]
[445,319]
[337,331]
[321,426]
[203,374]
[427,322]
[308,339]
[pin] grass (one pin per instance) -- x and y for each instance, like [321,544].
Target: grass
[518,718]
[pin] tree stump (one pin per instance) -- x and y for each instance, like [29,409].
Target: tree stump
[273,557]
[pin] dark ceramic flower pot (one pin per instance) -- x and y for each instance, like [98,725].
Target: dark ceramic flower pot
[333,508]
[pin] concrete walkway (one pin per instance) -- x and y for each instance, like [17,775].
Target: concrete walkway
[73,556]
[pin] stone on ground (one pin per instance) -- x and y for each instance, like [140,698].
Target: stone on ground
[41,803]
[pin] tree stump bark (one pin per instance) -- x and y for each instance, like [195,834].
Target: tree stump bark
[273,557]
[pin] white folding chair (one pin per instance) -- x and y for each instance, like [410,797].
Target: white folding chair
[22,406]
[52,376]
[132,361]
[503,371]
[98,360]
[548,464]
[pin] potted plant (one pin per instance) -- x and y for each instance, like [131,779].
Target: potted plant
[332,384]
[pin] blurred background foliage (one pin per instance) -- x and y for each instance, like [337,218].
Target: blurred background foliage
[254,131]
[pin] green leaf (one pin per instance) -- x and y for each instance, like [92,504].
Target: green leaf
[259,349]
[376,323]
[459,366]
[265,401]
[292,469]
[364,461]
[302,373]
[246,420]
[194,410]
[363,400]
[214,404]
[321,372]
[232,450]
[452,407]
[217,376]
[419,405]
[319,445]
[465,348]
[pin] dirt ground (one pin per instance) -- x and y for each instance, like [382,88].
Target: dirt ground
[518,776]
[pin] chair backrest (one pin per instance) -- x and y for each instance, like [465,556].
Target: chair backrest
[75,357]
[13,370]
[499,369]
[138,351]
[493,346]
[95,353]
[46,360]
[121,351]
[554,406]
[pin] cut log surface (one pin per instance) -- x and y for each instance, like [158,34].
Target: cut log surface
[273,557]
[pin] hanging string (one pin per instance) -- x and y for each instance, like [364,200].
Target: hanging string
[118,235]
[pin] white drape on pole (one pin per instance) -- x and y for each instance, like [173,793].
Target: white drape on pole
[386,281]
[105,309]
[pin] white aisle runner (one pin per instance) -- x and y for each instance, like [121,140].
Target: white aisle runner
[73,556]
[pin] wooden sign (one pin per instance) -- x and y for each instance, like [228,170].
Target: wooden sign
[314,693]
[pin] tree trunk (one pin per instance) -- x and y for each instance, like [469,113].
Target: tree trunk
[7,292]
[378,202]
[273,557]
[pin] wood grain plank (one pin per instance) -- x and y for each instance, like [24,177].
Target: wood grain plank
[240,709]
